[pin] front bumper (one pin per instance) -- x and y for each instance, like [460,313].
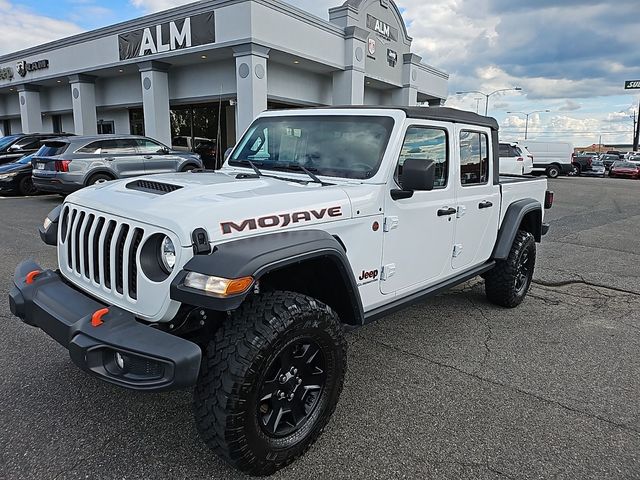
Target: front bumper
[149,359]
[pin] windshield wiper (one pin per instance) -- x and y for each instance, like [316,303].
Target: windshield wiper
[251,164]
[297,167]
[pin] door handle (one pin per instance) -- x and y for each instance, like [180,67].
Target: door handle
[148,157]
[485,204]
[447,211]
[109,159]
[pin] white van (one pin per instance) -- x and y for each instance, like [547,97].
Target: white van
[515,159]
[552,158]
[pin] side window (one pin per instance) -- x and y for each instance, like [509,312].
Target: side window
[146,146]
[427,143]
[474,158]
[505,150]
[29,143]
[179,142]
[93,147]
[118,146]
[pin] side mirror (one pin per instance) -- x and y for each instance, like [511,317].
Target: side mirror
[14,148]
[417,175]
[227,152]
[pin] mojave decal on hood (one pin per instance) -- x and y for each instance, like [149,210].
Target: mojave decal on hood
[224,205]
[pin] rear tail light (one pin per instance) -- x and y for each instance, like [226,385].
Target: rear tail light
[62,165]
[519,159]
[548,199]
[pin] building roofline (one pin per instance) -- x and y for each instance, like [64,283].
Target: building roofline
[165,15]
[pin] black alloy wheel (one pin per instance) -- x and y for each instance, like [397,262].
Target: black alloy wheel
[290,390]
[523,272]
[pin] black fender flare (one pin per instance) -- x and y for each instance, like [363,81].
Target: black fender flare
[259,255]
[511,223]
[99,170]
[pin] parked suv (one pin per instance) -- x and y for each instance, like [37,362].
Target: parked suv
[64,165]
[14,147]
[515,159]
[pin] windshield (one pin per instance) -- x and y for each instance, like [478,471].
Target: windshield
[6,141]
[331,145]
[597,163]
[624,165]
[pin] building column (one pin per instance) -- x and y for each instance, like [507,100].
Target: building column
[251,83]
[155,100]
[407,95]
[83,99]
[348,84]
[30,111]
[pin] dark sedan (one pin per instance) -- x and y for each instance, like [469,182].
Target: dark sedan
[14,147]
[15,177]
[625,170]
[608,159]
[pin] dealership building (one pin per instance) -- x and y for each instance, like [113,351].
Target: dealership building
[206,69]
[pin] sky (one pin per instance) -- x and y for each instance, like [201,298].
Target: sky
[570,57]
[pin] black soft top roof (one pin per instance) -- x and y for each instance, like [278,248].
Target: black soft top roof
[443,114]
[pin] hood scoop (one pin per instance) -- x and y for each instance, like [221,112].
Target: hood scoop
[153,187]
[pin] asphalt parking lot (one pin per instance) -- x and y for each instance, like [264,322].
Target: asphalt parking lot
[452,388]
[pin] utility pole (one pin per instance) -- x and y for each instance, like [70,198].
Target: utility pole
[636,137]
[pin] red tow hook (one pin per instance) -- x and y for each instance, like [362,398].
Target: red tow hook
[96,318]
[31,276]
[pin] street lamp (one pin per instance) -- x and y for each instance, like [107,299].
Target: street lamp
[487,95]
[526,124]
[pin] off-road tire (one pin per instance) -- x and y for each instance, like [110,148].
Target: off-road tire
[553,171]
[235,364]
[99,178]
[500,282]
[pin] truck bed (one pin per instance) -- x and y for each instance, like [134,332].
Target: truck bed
[514,188]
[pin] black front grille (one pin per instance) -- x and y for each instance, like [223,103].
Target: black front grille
[101,250]
[153,187]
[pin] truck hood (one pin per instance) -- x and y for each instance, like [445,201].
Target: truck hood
[226,205]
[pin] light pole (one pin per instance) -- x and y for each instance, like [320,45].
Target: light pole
[526,123]
[487,95]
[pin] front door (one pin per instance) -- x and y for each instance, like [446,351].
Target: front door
[478,200]
[418,234]
[156,158]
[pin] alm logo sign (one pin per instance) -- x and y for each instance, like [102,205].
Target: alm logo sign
[631,84]
[384,30]
[172,35]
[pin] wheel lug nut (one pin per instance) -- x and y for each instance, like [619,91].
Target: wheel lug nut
[290,396]
[294,370]
[299,381]
[283,378]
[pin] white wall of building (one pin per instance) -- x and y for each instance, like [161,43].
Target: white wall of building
[202,82]
[120,90]
[296,85]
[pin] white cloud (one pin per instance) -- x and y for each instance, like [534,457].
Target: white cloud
[23,28]
[570,106]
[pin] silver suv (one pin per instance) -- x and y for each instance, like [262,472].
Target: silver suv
[64,165]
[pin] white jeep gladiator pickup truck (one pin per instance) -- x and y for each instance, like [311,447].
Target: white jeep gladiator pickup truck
[241,282]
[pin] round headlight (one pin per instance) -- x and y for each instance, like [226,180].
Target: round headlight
[167,254]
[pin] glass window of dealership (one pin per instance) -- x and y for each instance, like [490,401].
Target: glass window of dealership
[205,70]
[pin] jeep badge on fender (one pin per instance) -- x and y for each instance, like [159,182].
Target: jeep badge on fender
[239,283]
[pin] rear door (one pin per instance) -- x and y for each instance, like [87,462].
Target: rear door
[478,199]
[155,157]
[121,155]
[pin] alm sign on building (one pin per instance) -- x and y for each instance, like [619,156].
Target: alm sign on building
[168,36]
